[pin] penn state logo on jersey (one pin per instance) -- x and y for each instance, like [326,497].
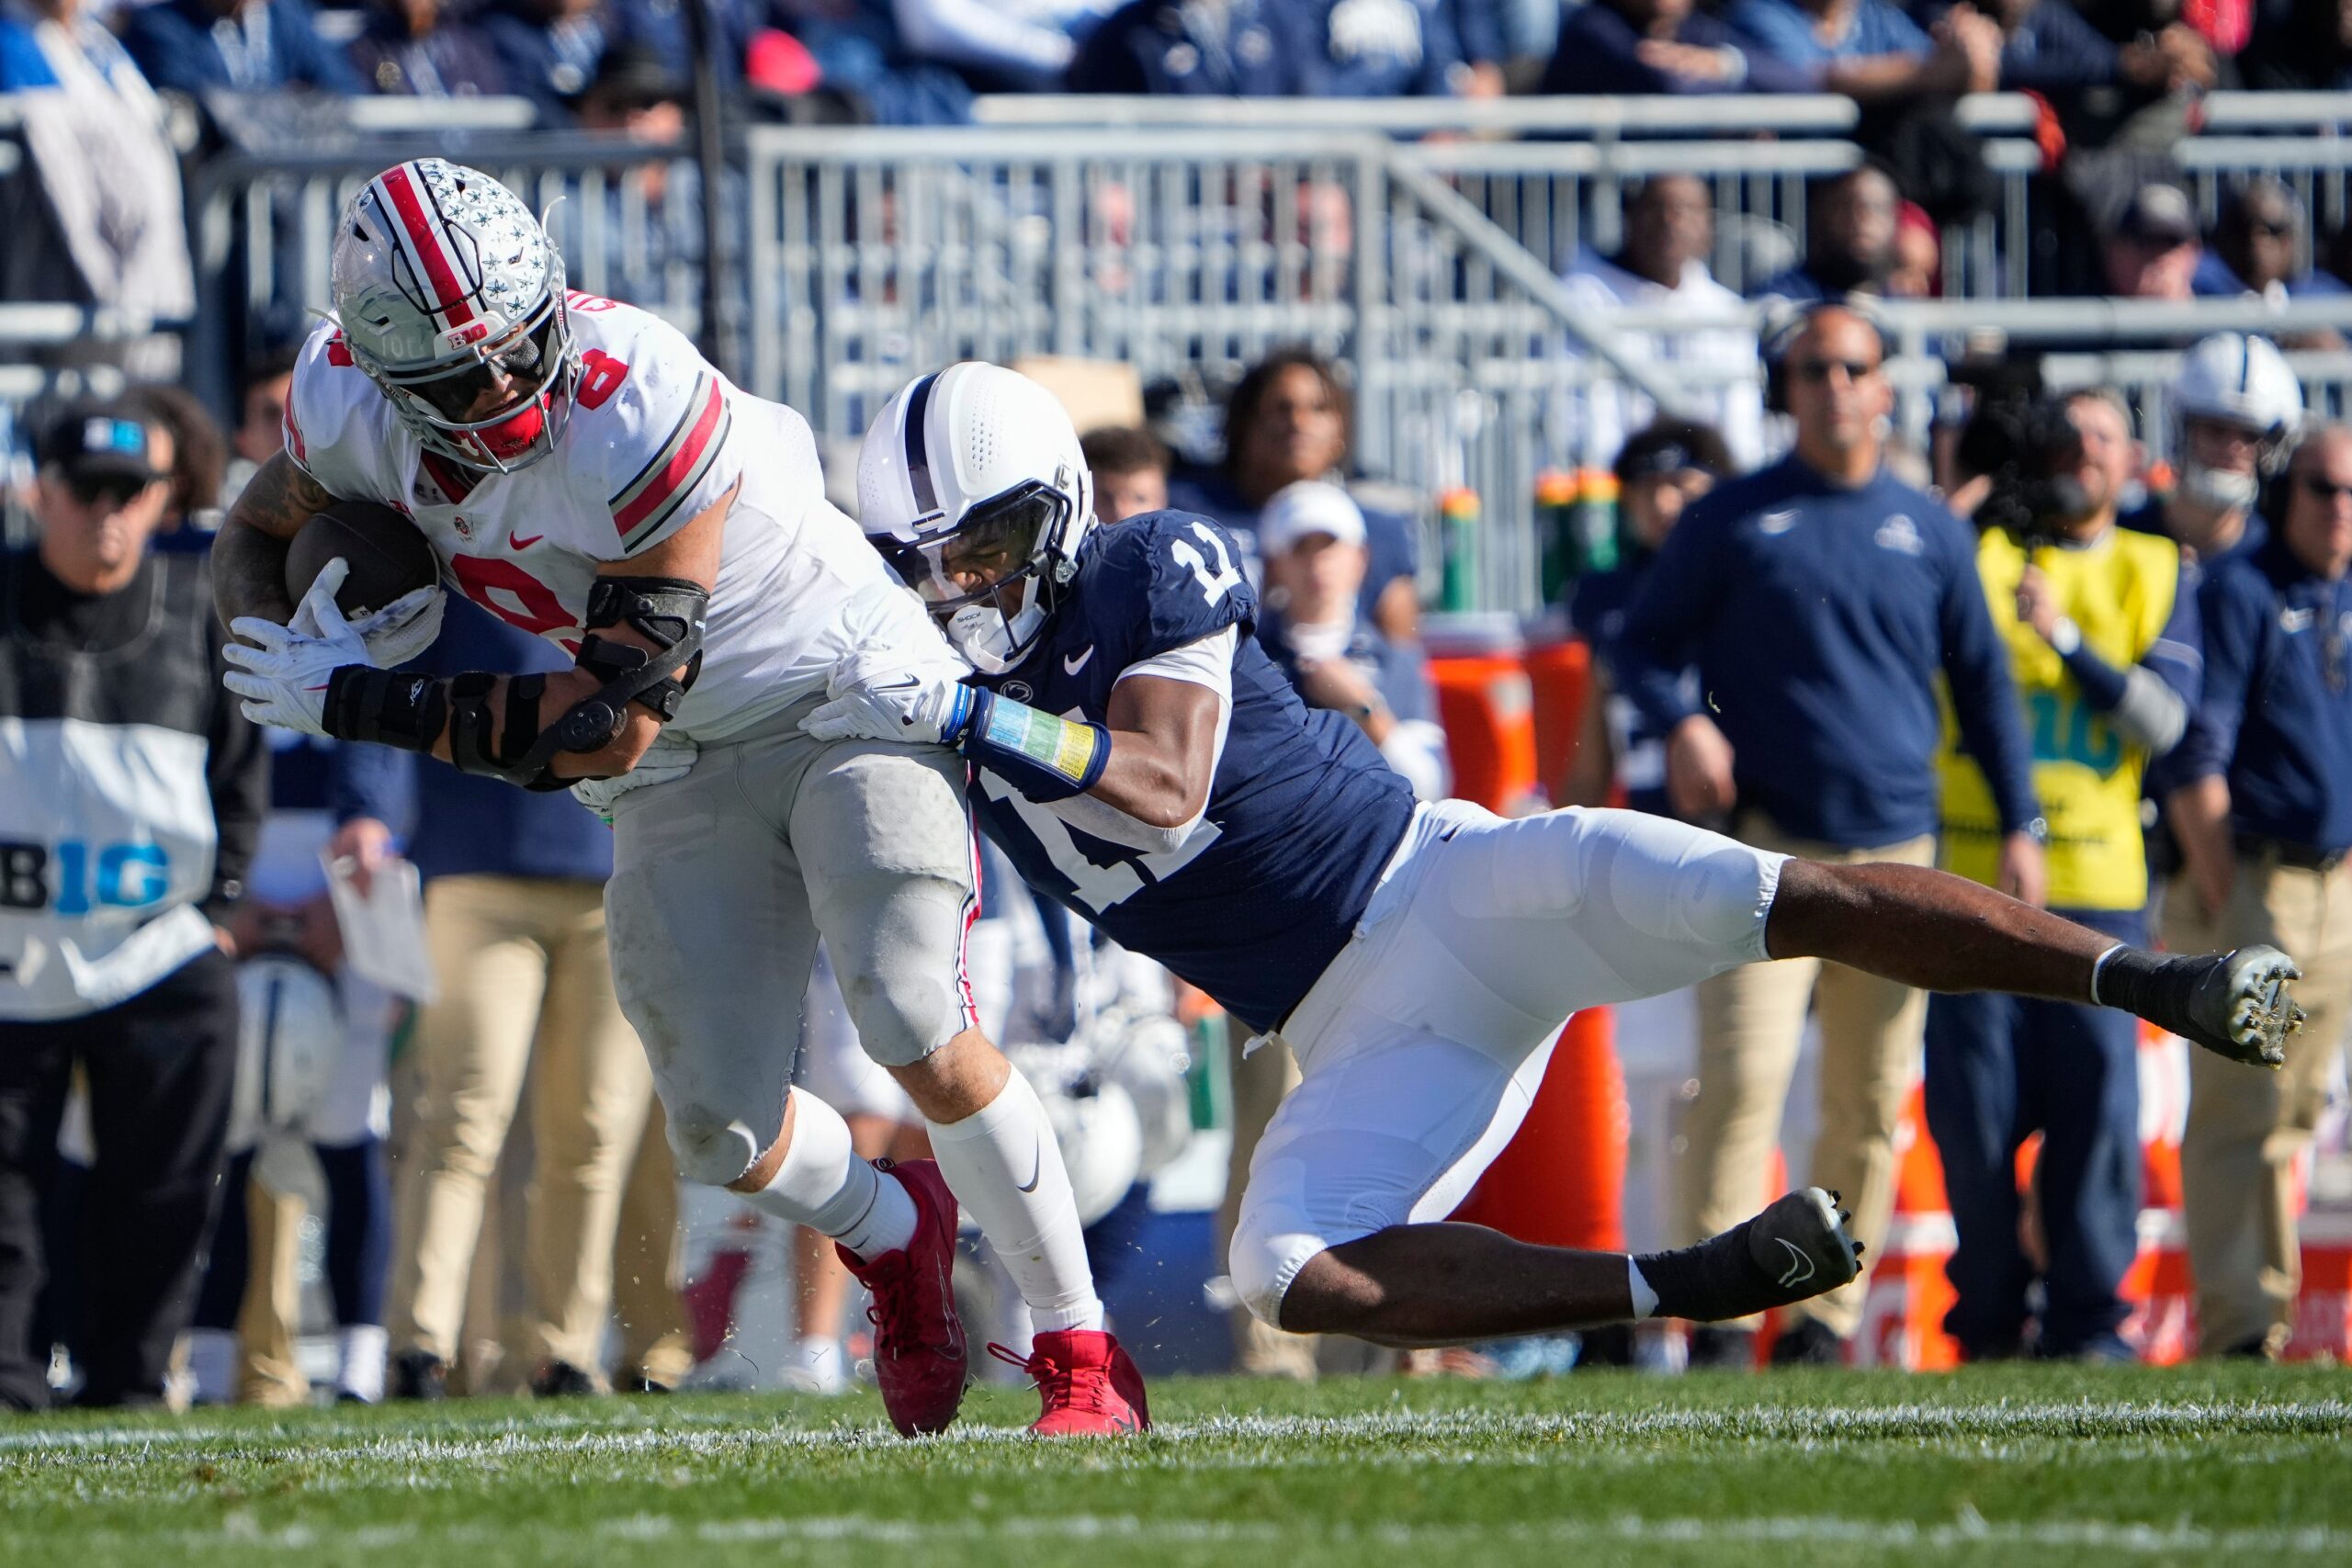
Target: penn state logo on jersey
[1302,812]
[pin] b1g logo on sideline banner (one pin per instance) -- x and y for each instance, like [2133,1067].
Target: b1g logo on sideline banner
[73,877]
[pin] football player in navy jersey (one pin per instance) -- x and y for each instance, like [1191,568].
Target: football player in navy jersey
[1140,758]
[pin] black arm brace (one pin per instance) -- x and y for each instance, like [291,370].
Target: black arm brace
[409,711]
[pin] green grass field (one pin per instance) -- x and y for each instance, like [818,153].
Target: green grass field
[2211,1466]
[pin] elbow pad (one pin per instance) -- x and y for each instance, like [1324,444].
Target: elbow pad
[1046,759]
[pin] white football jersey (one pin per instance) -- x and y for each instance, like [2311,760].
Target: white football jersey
[655,437]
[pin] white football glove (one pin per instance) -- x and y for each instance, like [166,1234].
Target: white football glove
[395,633]
[283,677]
[670,758]
[885,696]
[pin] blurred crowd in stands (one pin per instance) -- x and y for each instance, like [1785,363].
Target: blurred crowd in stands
[2098,62]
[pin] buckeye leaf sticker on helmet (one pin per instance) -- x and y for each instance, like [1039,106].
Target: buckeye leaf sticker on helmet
[451,298]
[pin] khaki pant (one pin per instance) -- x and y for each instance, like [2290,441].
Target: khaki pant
[268,1370]
[649,1264]
[2246,1125]
[1259,1082]
[525,982]
[1751,1023]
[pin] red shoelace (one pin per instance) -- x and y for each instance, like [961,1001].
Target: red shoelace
[1060,1385]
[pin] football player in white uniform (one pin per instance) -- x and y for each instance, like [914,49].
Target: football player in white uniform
[583,473]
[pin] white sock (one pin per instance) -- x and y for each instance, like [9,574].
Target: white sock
[987,1158]
[360,1350]
[212,1364]
[1644,1299]
[823,1183]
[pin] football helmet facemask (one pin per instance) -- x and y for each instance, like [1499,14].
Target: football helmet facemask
[972,485]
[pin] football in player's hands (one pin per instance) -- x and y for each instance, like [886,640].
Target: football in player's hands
[391,591]
[388,556]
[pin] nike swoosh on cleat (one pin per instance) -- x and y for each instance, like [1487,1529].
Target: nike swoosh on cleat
[1074,662]
[1801,1270]
[1037,1170]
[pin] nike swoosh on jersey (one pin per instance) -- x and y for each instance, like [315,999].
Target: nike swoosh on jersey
[1799,1267]
[1074,662]
[521,543]
[1776,522]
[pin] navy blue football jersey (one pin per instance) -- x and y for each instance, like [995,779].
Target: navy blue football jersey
[1302,813]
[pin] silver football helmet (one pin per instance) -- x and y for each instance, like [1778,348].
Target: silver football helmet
[451,297]
[971,483]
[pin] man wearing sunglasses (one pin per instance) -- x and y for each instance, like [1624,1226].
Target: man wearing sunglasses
[130,797]
[2265,823]
[1820,601]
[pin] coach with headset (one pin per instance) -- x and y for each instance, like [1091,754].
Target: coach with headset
[1819,599]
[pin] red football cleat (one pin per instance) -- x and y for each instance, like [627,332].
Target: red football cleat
[1089,1387]
[919,1353]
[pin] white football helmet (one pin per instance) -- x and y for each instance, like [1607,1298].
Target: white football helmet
[1148,1054]
[290,1043]
[1093,1121]
[2240,379]
[971,483]
[449,293]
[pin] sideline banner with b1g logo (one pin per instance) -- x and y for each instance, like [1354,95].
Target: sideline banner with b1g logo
[106,844]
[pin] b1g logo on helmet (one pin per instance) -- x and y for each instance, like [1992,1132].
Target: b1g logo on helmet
[468,335]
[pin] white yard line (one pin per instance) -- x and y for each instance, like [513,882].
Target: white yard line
[1967,1533]
[710,1434]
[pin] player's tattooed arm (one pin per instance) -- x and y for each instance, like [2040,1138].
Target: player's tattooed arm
[249,557]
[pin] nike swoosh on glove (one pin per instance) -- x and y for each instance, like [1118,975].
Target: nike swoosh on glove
[670,758]
[395,633]
[886,697]
[283,676]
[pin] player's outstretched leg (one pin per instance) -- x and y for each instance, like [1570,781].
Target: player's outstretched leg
[1945,933]
[1436,1284]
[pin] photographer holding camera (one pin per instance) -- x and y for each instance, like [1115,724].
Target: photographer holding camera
[2102,632]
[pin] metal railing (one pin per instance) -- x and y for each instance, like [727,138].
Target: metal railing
[1182,237]
[1552,170]
[2133,345]
[262,228]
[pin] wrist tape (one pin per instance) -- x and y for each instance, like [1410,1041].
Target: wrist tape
[1043,757]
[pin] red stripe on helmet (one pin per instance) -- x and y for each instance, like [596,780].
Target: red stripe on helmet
[405,190]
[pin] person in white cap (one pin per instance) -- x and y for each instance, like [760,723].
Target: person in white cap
[1312,538]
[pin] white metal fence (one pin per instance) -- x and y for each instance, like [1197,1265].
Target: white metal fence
[1181,236]
[262,228]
